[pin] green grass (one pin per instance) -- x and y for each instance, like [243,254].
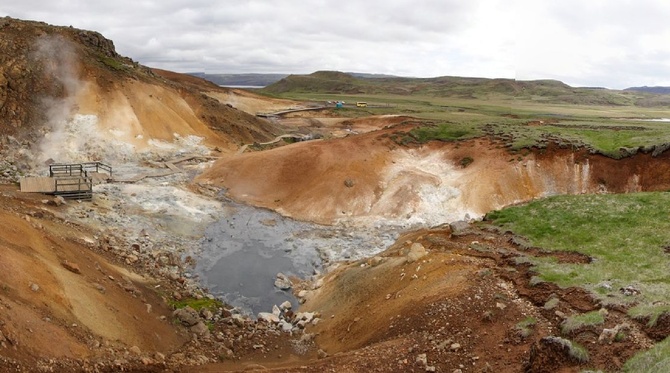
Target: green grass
[604,128]
[197,304]
[656,359]
[624,234]
[576,322]
[525,327]
[575,350]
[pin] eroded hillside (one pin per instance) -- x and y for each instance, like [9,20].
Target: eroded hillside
[371,178]
[52,76]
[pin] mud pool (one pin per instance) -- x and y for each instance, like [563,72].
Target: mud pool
[242,253]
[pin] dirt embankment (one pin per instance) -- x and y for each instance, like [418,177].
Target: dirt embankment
[61,300]
[457,299]
[369,177]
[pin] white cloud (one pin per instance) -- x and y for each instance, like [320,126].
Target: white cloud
[614,43]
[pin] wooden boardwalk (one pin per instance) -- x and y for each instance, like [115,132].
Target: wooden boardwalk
[43,184]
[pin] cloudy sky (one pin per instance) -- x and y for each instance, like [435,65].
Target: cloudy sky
[610,43]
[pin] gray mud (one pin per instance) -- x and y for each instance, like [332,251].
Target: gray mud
[242,253]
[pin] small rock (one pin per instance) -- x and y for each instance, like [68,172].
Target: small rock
[187,316]
[416,252]
[454,346]
[286,305]
[317,284]
[206,314]
[422,359]
[200,329]
[322,354]
[283,282]
[136,350]
[286,327]
[72,267]
[34,287]
[268,317]
[59,200]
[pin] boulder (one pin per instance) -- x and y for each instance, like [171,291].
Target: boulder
[283,282]
[268,317]
[416,252]
[187,316]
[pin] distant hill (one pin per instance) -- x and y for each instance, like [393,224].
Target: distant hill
[549,91]
[654,90]
[259,80]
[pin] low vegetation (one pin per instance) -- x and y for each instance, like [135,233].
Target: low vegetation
[518,114]
[624,234]
[197,304]
[581,321]
[525,327]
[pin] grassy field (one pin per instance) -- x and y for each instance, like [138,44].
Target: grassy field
[503,109]
[628,237]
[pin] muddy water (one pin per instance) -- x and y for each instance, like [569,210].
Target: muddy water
[242,253]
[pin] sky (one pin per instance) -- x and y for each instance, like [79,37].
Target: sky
[598,43]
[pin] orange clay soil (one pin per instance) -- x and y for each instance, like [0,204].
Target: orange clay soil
[50,311]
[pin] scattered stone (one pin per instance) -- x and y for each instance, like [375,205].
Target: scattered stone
[416,252]
[286,305]
[99,287]
[59,201]
[200,329]
[283,282]
[187,316]
[349,183]
[629,290]
[268,317]
[72,267]
[34,287]
[276,311]
[286,327]
[459,226]
[455,346]
[422,359]
[322,354]
[317,284]
[136,350]
[206,314]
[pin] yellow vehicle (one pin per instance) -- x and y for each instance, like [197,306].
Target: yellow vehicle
[362,104]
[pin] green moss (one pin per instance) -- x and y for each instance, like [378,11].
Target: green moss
[197,304]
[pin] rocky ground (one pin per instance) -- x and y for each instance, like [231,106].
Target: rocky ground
[107,285]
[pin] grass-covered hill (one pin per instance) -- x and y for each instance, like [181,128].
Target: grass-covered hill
[549,91]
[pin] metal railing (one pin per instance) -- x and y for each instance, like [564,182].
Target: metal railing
[78,169]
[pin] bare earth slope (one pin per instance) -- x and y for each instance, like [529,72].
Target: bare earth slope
[53,74]
[369,178]
[60,299]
